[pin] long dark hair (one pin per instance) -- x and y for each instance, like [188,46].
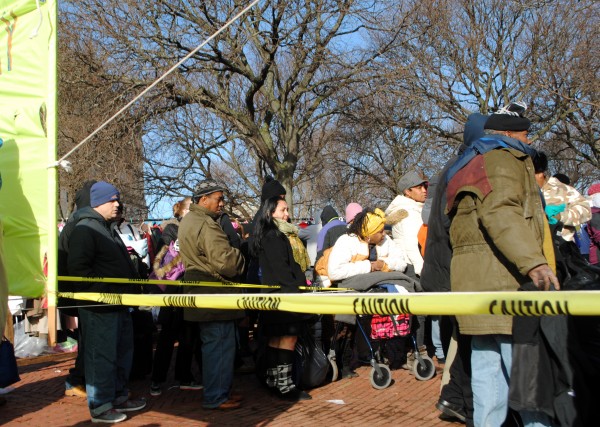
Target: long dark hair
[356,226]
[264,223]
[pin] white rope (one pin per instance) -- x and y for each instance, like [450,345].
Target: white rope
[35,32]
[174,67]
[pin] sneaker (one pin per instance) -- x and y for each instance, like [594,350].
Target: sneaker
[77,391]
[109,417]
[130,405]
[155,389]
[192,385]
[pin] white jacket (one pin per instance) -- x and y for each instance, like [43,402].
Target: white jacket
[348,246]
[405,232]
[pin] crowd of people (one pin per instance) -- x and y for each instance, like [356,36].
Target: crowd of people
[492,220]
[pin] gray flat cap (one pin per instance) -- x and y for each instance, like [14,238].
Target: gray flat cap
[409,180]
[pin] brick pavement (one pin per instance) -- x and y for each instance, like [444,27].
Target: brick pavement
[38,400]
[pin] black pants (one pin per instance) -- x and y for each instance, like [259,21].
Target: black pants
[76,375]
[174,328]
[458,390]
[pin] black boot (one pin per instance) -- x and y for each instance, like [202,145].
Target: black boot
[286,389]
[347,358]
[271,360]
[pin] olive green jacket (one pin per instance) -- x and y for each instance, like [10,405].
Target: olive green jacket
[496,237]
[208,256]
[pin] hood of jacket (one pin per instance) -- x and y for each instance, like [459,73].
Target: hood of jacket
[82,197]
[328,214]
[89,213]
[473,129]
[404,203]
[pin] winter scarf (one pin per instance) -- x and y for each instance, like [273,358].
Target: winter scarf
[298,248]
[485,144]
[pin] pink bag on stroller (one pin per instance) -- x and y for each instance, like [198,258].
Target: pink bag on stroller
[389,326]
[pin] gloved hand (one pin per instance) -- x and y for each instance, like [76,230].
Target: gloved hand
[554,210]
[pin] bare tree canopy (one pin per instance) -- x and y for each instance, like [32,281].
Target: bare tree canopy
[338,98]
[268,81]
[89,94]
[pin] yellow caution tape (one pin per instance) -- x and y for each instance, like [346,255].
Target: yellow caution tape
[454,303]
[187,283]
[163,282]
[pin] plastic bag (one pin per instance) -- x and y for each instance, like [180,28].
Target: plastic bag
[25,345]
[9,372]
[311,363]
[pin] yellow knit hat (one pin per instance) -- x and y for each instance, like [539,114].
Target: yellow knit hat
[374,222]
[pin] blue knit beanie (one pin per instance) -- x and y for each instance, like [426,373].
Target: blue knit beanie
[103,192]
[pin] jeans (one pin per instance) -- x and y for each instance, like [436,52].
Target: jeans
[436,338]
[491,362]
[108,355]
[218,356]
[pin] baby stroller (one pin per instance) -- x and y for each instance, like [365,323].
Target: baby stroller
[377,332]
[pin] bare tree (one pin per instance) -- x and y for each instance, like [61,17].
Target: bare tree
[565,77]
[468,56]
[270,78]
[339,98]
[87,95]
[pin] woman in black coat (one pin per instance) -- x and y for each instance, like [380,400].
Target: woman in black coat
[278,267]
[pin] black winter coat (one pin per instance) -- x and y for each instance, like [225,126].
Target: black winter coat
[63,268]
[435,275]
[95,251]
[169,234]
[278,267]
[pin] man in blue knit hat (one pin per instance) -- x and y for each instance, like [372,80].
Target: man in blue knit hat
[107,329]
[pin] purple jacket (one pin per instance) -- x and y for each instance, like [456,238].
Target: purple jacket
[323,232]
[593,230]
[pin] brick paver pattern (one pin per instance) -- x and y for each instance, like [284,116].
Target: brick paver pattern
[38,400]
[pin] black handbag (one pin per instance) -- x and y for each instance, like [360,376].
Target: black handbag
[9,373]
[311,364]
[573,270]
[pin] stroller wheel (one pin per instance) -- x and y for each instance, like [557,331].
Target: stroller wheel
[423,370]
[334,367]
[382,380]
